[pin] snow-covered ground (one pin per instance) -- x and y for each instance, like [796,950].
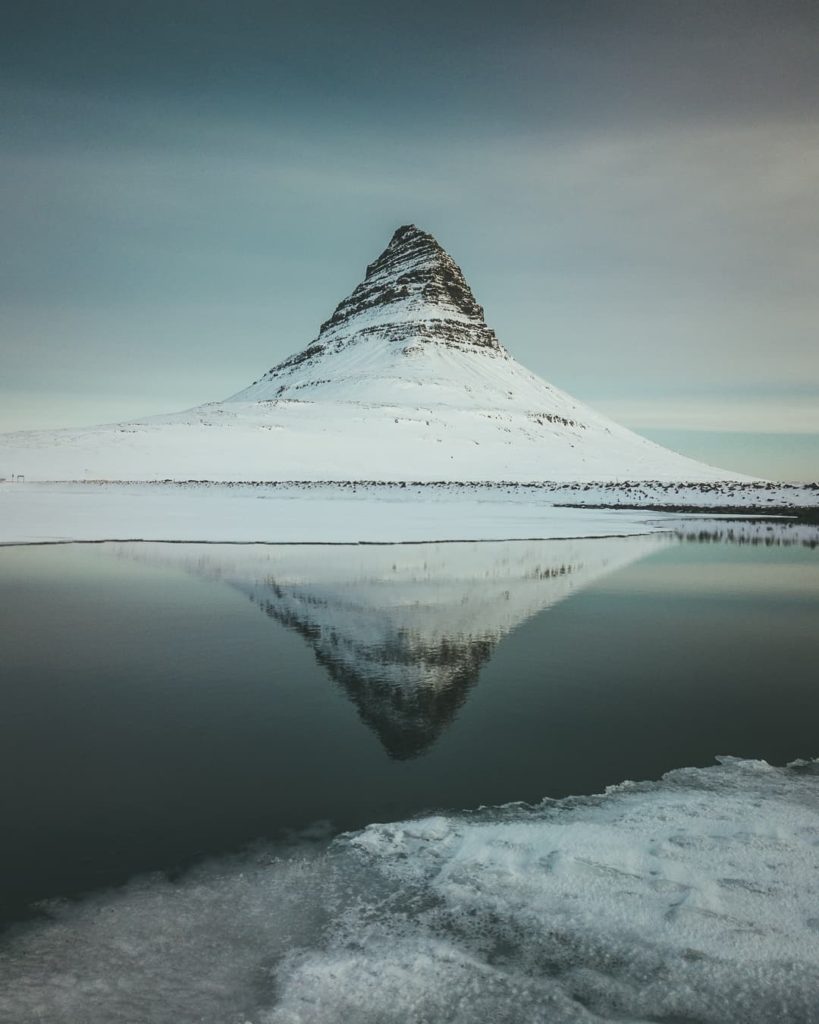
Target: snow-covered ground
[355,513]
[348,440]
[695,898]
[88,512]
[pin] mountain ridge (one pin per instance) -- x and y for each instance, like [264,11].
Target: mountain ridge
[413,264]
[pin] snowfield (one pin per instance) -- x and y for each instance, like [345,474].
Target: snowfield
[689,899]
[366,512]
[38,513]
[328,439]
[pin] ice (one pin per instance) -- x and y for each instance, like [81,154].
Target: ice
[349,513]
[327,515]
[695,898]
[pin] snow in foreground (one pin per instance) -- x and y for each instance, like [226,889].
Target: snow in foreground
[695,898]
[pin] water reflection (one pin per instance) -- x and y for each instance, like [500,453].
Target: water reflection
[404,630]
[150,714]
[770,533]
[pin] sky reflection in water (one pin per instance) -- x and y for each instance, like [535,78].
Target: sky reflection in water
[168,701]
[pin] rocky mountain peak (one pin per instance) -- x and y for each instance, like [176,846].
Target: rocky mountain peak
[410,245]
[414,282]
[413,300]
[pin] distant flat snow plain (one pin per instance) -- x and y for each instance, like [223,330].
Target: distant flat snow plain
[349,513]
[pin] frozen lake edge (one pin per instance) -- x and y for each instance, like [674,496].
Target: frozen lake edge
[688,898]
[292,512]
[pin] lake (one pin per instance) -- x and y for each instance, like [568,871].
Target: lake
[167,704]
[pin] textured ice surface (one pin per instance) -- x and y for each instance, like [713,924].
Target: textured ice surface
[693,899]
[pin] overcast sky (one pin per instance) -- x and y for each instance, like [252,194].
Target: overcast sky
[632,190]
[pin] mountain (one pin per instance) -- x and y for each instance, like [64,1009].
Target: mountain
[384,343]
[404,631]
[405,381]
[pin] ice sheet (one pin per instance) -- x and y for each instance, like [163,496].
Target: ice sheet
[349,513]
[695,898]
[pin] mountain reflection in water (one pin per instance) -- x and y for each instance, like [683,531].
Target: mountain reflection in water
[150,715]
[404,630]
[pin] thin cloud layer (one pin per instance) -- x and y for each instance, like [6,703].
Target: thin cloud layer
[630,189]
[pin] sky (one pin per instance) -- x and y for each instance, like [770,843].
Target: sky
[187,189]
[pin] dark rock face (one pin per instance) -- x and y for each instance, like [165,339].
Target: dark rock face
[415,272]
[412,295]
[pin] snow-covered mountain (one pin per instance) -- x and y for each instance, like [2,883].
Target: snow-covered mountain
[404,631]
[405,381]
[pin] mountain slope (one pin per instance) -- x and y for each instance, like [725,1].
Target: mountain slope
[405,381]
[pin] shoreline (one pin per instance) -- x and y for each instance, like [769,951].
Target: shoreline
[370,512]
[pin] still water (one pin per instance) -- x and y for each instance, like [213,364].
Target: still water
[163,703]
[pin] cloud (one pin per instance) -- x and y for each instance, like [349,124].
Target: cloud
[767,415]
[631,189]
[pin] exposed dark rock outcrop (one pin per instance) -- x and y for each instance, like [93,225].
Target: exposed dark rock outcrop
[414,271]
[412,295]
